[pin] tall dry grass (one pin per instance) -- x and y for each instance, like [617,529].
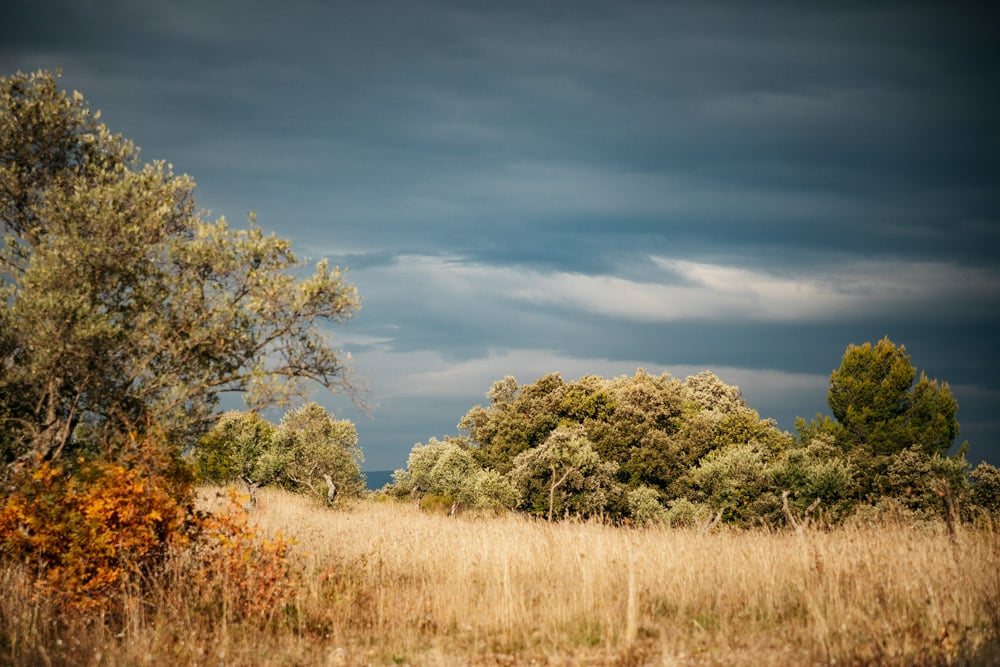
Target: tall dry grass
[384,583]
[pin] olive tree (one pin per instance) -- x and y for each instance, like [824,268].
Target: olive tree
[565,473]
[233,449]
[441,467]
[308,452]
[122,305]
[316,451]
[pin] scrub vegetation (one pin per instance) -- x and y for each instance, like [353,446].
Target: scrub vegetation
[383,583]
[632,520]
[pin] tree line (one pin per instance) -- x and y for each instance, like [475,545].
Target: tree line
[657,449]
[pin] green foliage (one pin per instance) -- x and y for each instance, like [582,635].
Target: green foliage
[564,475]
[682,513]
[744,426]
[579,447]
[815,473]
[297,454]
[490,490]
[644,506]
[821,427]
[447,470]
[729,480]
[441,467]
[919,480]
[233,448]
[124,306]
[518,418]
[309,445]
[873,397]
[654,448]
[986,487]
[932,416]
[711,393]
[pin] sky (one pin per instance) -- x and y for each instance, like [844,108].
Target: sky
[520,188]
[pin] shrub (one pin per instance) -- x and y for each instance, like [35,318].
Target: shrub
[986,487]
[101,533]
[237,572]
[91,531]
[682,513]
[644,506]
[490,490]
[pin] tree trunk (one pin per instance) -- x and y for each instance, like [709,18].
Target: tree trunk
[331,489]
[251,489]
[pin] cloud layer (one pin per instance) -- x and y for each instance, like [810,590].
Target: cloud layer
[585,187]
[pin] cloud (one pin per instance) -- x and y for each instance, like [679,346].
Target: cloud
[687,290]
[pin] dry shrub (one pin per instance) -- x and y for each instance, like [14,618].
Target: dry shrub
[237,571]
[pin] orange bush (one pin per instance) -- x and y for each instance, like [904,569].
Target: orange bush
[240,572]
[88,532]
[100,530]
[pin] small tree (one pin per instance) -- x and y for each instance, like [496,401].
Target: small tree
[731,480]
[311,446]
[644,506]
[568,471]
[233,449]
[489,490]
[299,454]
[441,467]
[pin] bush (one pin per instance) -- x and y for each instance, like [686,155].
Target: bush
[103,533]
[682,513]
[237,573]
[986,487]
[644,506]
[91,531]
[490,490]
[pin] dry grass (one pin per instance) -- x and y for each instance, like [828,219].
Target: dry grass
[383,583]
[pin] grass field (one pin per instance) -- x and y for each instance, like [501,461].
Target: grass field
[384,583]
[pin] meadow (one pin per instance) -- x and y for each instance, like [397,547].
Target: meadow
[383,583]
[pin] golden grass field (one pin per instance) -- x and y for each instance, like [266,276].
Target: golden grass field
[384,583]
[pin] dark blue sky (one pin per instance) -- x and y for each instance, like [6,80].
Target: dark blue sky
[585,187]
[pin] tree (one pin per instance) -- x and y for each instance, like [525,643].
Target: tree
[731,480]
[569,472]
[873,397]
[233,449]
[315,450]
[518,418]
[125,307]
[441,467]
[299,454]
[711,393]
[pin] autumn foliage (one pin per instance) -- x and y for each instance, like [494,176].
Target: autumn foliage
[92,529]
[100,532]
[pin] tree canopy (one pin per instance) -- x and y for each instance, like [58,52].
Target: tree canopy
[658,449]
[299,454]
[873,396]
[591,446]
[124,305]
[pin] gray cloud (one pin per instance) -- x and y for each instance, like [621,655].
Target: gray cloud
[607,184]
